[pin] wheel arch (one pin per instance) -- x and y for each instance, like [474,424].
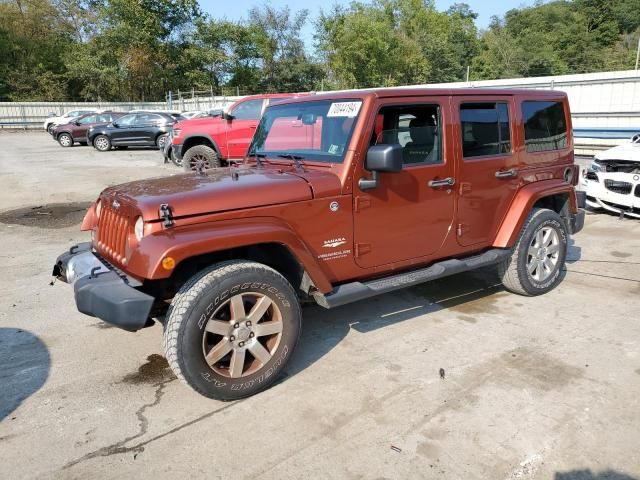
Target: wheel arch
[555,195]
[200,139]
[266,240]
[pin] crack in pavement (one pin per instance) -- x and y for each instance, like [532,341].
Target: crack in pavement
[119,447]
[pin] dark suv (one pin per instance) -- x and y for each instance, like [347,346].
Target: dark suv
[76,130]
[139,129]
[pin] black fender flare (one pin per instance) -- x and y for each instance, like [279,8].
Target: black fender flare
[202,135]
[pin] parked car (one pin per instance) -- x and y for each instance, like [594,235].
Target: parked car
[76,130]
[54,120]
[613,181]
[194,114]
[140,129]
[211,141]
[342,197]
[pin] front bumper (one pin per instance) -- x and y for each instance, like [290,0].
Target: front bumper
[101,292]
[616,192]
[177,150]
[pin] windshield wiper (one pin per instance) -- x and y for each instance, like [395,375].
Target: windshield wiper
[258,157]
[295,158]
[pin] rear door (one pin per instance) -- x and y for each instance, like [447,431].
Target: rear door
[240,130]
[489,176]
[124,129]
[409,214]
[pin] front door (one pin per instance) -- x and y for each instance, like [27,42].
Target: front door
[124,129]
[488,178]
[246,116]
[409,214]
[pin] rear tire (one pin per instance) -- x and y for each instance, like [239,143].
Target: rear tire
[102,143]
[231,329]
[200,157]
[65,140]
[538,258]
[50,128]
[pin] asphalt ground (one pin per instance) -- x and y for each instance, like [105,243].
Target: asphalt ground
[544,388]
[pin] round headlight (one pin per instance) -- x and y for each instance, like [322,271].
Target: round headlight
[139,228]
[98,208]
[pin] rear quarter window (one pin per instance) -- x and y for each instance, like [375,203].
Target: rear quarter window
[545,126]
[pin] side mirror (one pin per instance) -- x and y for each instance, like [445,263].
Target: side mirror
[227,116]
[115,124]
[76,123]
[308,119]
[381,158]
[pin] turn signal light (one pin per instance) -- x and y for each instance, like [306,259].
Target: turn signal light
[168,263]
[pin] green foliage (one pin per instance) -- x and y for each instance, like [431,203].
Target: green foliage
[140,49]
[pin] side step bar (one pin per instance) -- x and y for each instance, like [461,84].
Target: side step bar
[354,291]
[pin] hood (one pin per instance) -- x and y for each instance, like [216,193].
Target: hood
[216,191]
[629,152]
[208,122]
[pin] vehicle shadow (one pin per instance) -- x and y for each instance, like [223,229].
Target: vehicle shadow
[589,475]
[574,252]
[322,330]
[24,367]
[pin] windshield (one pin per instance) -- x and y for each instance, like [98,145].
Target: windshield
[315,130]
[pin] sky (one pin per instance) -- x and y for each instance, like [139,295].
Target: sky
[237,9]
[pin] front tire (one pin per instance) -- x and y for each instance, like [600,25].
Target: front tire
[231,329]
[200,157]
[102,143]
[65,140]
[538,258]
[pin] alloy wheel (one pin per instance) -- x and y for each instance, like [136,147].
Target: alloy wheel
[102,143]
[65,140]
[242,335]
[543,254]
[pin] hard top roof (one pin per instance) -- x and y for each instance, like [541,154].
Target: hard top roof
[426,91]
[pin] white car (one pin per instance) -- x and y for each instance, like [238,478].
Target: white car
[54,120]
[613,181]
[194,114]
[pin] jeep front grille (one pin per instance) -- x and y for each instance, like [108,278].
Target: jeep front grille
[112,235]
[623,188]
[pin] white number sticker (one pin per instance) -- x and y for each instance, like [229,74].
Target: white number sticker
[344,109]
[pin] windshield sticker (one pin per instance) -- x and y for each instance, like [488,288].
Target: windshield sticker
[344,109]
[335,149]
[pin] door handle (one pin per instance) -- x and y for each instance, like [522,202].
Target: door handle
[506,173]
[445,182]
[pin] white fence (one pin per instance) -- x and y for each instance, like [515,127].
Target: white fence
[33,114]
[605,106]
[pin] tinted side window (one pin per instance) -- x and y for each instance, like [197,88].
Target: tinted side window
[249,110]
[416,128]
[485,129]
[88,119]
[545,126]
[127,119]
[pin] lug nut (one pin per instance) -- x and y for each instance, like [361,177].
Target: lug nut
[232,338]
[251,335]
[248,324]
[236,325]
[242,344]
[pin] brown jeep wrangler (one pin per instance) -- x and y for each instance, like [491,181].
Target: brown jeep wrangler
[341,197]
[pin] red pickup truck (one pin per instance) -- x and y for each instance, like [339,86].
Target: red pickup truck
[209,142]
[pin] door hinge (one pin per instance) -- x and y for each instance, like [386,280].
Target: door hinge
[465,187]
[462,229]
[361,203]
[362,248]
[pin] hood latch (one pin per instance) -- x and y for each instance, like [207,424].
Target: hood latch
[165,214]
